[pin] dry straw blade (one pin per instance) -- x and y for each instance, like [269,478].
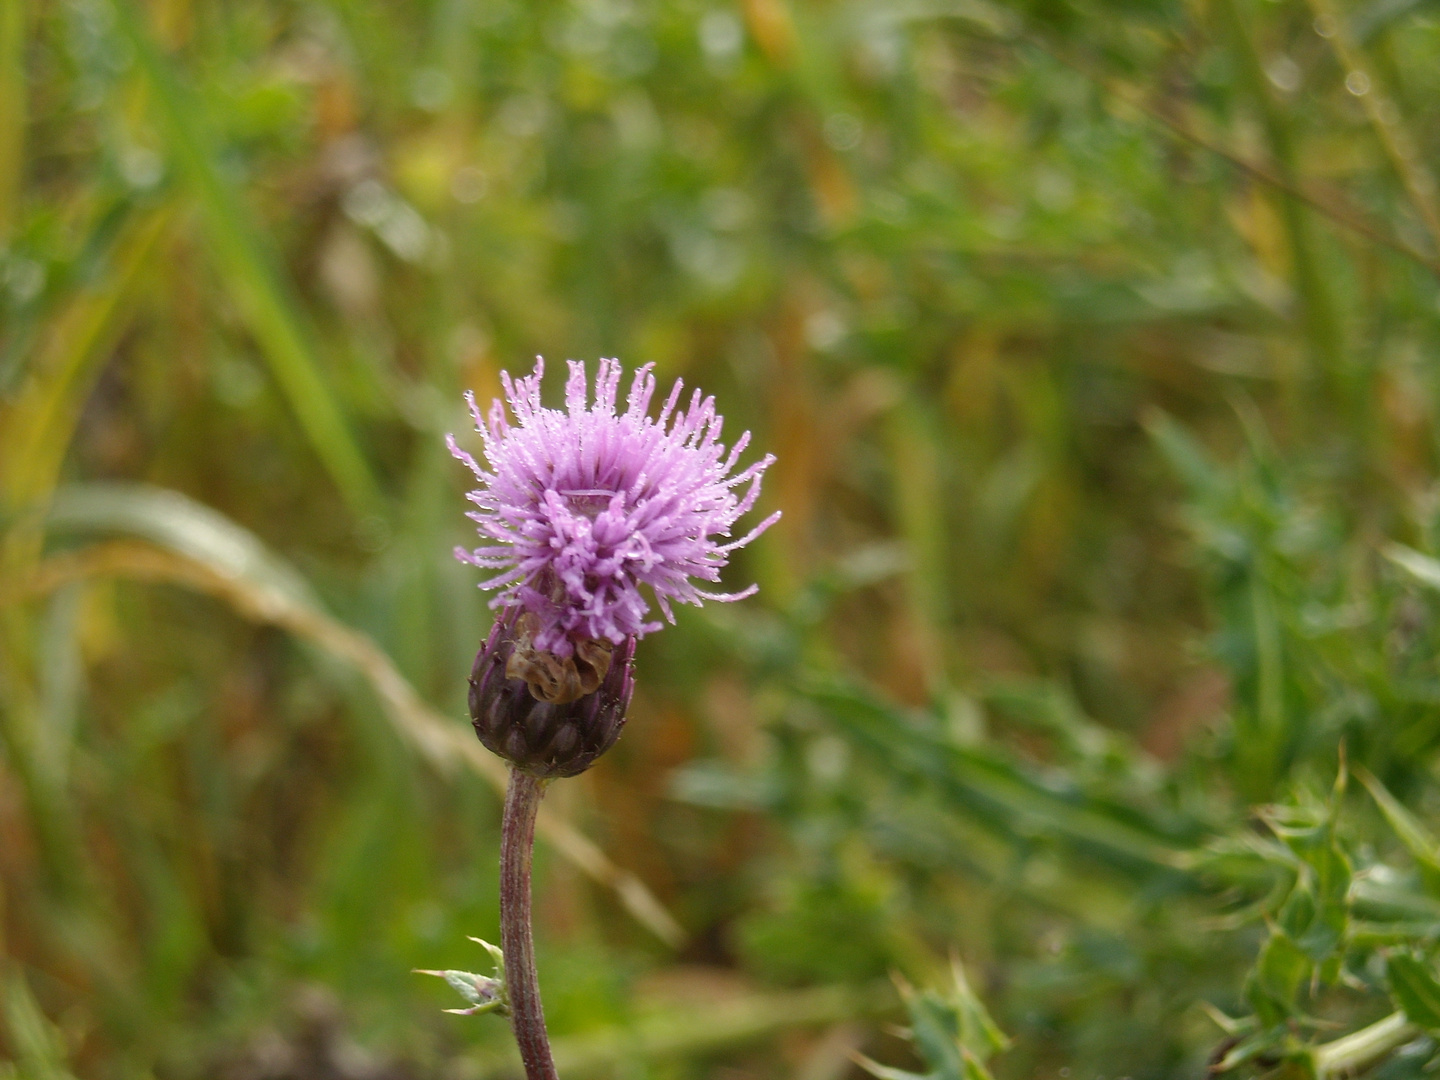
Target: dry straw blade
[165,537]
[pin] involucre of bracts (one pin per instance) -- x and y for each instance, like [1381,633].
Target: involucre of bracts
[548,738]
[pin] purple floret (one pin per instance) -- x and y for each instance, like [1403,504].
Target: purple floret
[584,506]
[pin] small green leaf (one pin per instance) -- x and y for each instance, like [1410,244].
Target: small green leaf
[481,991]
[484,993]
[496,955]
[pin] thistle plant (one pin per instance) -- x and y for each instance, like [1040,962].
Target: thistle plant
[587,514]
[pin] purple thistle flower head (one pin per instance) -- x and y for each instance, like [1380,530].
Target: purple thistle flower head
[580,508]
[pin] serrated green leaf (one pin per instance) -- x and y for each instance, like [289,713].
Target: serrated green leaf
[1297,916]
[1256,1044]
[1415,989]
[1277,977]
[994,789]
[1316,914]
[952,1031]
[1326,921]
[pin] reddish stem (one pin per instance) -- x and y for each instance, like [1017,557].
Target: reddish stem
[517,839]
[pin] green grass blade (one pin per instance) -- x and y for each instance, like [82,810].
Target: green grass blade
[247,266]
[14,20]
[1319,312]
[37,1045]
[1422,568]
[40,422]
[37,426]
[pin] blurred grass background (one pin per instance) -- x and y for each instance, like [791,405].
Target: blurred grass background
[1095,341]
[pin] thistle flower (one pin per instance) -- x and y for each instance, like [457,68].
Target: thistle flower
[580,511]
[585,506]
[586,511]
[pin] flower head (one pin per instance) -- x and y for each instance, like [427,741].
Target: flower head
[580,508]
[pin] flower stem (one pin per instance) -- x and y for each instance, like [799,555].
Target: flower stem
[1364,1047]
[517,838]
